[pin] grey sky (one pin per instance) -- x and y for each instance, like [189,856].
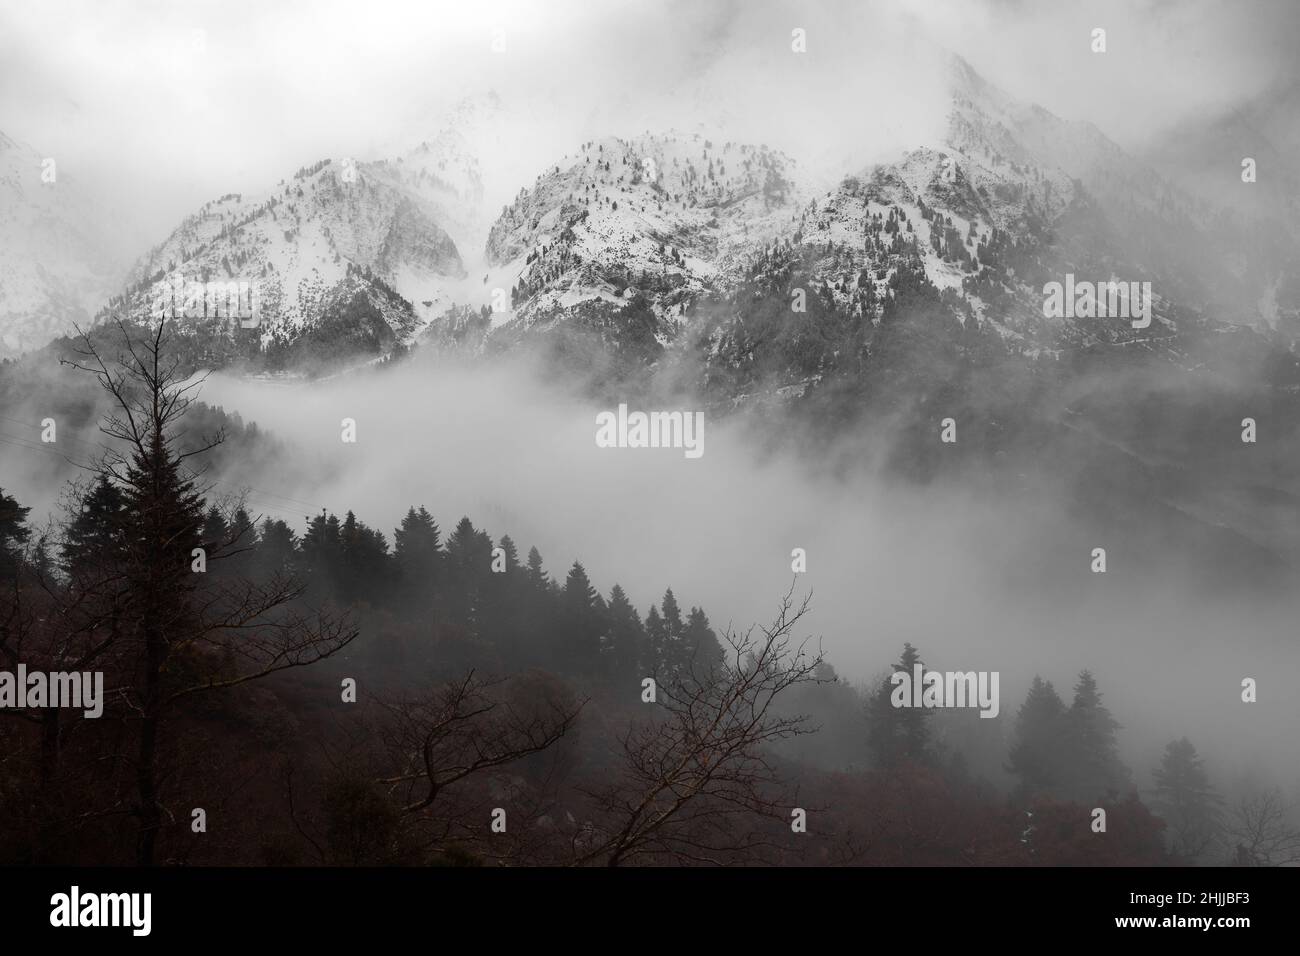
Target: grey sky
[127,97]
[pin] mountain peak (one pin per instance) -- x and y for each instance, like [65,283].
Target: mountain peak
[961,76]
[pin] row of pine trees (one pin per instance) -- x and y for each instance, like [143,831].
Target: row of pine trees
[467,585]
[479,590]
[1068,753]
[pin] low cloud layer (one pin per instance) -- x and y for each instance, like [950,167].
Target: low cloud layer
[957,574]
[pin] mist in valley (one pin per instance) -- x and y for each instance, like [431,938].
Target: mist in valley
[976,582]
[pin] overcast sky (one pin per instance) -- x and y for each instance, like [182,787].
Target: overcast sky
[173,103]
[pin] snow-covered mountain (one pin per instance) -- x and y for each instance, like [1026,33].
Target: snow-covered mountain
[661,235]
[989,213]
[58,259]
[331,232]
[665,243]
[669,215]
[397,232]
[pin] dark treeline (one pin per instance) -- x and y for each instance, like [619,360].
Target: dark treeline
[505,609]
[336,697]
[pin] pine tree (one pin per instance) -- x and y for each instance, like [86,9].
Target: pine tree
[511,554]
[461,544]
[581,619]
[676,657]
[700,643]
[672,615]
[276,548]
[215,530]
[1035,755]
[243,533]
[1186,802]
[179,635]
[13,532]
[469,557]
[536,622]
[417,552]
[537,577]
[1091,753]
[322,551]
[163,512]
[94,538]
[656,652]
[626,646]
[501,617]
[898,734]
[365,560]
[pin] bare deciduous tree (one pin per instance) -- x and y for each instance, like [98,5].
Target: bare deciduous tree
[697,783]
[462,729]
[434,760]
[1261,826]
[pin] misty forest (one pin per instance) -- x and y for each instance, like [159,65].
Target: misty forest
[326,692]
[298,481]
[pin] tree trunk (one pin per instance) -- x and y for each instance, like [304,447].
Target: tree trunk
[150,811]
